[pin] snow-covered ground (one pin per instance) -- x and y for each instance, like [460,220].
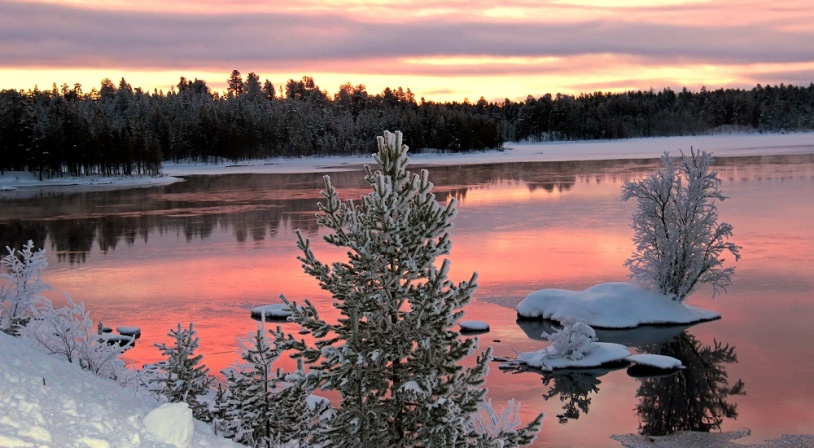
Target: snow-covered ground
[47,402]
[724,145]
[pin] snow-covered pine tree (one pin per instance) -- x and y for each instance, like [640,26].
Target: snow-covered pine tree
[22,286]
[179,378]
[393,354]
[258,408]
[678,239]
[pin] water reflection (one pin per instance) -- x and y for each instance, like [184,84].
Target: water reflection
[694,399]
[257,206]
[574,389]
[640,336]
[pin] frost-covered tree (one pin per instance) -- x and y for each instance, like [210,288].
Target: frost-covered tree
[22,286]
[69,332]
[393,354]
[573,340]
[257,407]
[180,378]
[679,241]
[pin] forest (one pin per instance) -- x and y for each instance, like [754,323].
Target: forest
[121,130]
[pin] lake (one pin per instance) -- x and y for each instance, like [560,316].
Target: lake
[209,249]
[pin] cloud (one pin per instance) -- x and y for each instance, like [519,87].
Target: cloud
[59,36]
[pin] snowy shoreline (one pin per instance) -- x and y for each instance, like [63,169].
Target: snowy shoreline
[723,145]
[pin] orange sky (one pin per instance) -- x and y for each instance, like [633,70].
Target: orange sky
[442,50]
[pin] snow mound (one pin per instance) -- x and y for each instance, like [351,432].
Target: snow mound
[598,354]
[276,311]
[657,361]
[472,326]
[134,332]
[611,305]
[171,423]
[46,401]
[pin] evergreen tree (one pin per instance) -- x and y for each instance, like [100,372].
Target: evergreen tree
[393,354]
[678,239]
[179,377]
[258,408]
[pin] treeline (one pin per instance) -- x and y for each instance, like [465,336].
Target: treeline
[118,129]
[666,113]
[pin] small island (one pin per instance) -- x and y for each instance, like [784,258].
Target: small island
[614,305]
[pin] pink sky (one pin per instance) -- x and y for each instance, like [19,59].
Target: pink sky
[442,50]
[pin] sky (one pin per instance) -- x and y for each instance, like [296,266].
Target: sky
[444,50]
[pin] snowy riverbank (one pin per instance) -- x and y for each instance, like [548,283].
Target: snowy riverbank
[48,402]
[725,145]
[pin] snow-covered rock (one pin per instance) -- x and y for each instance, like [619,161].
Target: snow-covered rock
[657,361]
[276,311]
[598,354]
[473,326]
[611,305]
[45,401]
[134,332]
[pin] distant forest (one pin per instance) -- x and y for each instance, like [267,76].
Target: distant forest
[120,130]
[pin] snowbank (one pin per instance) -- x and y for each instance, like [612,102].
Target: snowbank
[12,180]
[657,361]
[611,305]
[600,353]
[46,401]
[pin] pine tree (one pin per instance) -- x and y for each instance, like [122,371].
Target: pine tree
[393,354]
[180,378]
[257,407]
[678,239]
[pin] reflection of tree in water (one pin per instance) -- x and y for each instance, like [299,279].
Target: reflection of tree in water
[694,399]
[574,388]
[254,206]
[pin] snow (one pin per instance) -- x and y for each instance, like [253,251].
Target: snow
[723,145]
[658,361]
[598,354]
[691,439]
[171,423]
[473,326]
[273,311]
[611,305]
[14,180]
[129,331]
[46,401]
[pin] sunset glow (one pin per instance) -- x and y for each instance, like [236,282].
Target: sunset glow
[444,51]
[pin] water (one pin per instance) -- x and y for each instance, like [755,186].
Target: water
[209,249]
